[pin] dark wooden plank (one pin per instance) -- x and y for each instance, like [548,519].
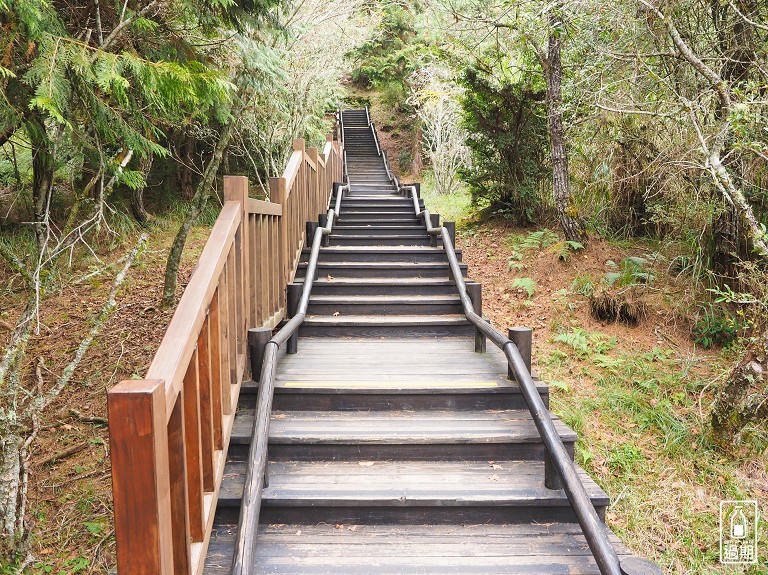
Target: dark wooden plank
[439,549]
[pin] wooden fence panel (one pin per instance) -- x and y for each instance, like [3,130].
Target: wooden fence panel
[169,433]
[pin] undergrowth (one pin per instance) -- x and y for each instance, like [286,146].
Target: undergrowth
[642,420]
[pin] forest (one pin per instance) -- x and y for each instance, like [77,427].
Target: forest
[606,164]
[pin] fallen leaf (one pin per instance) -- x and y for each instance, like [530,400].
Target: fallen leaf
[339,526]
[329,277]
[352,527]
[336,313]
[298,532]
[494,477]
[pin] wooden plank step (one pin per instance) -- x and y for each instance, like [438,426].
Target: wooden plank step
[431,435]
[496,549]
[341,306]
[382,254]
[381,240]
[352,230]
[362,220]
[380,286]
[303,391]
[386,326]
[432,492]
[381,270]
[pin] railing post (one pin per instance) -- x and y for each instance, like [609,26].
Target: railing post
[323,221]
[257,342]
[138,440]
[522,337]
[294,297]
[278,194]
[435,220]
[475,293]
[236,190]
[451,227]
[311,227]
[315,191]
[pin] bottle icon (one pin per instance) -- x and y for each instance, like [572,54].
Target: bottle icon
[739,525]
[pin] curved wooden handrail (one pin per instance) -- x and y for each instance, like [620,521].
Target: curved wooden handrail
[593,529]
[256,469]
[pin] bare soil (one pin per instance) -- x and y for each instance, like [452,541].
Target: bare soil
[70,497]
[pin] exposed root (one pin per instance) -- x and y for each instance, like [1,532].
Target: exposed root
[625,306]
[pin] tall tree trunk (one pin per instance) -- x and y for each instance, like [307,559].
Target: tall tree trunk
[184,173]
[137,195]
[567,213]
[43,164]
[731,241]
[744,397]
[418,159]
[199,200]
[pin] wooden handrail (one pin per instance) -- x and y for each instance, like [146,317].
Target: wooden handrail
[169,432]
[256,469]
[594,530]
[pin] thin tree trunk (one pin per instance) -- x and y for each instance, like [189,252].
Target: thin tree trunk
[137,195]
[418,159]
[199,200]
[567,212]
[713,146]
[43,164]
[184,168]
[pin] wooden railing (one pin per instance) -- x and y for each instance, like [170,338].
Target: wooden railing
[169,432]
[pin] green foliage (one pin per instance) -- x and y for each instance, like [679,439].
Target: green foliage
[584,343]
[538,240]
[630,271]
[388,58]
[526,284]
[583,285]
[507,130]
[716,326]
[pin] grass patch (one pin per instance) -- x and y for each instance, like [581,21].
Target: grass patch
[643,435]
[455,207]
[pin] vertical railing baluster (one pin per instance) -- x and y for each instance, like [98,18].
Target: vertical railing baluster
[207,410]
[177,470]
[193,450]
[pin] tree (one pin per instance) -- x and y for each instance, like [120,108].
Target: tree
[436,99]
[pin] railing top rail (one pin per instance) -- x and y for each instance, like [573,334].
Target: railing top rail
[292,169]
[175,351]
[593,529]
[264,207]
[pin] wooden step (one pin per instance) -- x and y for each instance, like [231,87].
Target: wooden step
[381,286]
[381,270]
[380,240]
[400,374]
[431,435]
[382,254]
[386,326]
[439,492]
[395,391]
[402,230]
[377,214]
[343,306]
[409,549]
[362,220]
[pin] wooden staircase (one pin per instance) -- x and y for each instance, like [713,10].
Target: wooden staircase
[394,448]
